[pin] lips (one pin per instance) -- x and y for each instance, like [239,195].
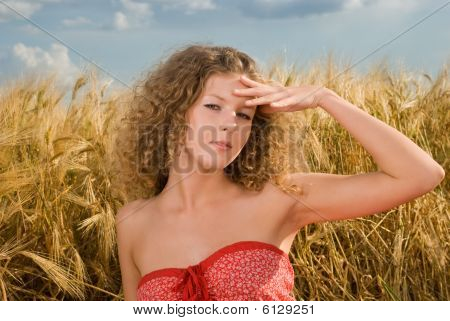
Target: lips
[222,143]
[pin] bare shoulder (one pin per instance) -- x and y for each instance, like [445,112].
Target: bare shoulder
[130,210]
[131,218]
[127,223]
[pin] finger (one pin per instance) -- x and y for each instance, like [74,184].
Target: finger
[284,102]
[267,99]
[245,79]
[274,109]
[252,83]
[294,100]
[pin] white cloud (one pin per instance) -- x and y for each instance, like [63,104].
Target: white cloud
[55,60]
[23,7]
[353,4]
[137,8]
[398,4]
[120,21]
[134,15]
[190,6]
[78,21]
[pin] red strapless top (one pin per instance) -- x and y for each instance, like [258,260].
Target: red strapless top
[242,271]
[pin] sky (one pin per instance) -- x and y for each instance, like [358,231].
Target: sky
[125,38]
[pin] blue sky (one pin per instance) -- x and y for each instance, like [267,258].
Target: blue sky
[126,37]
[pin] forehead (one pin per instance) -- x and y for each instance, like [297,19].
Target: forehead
[221,86]
[229,81]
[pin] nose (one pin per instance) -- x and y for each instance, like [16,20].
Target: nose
[228,121]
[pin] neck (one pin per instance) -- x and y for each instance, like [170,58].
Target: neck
[189,190]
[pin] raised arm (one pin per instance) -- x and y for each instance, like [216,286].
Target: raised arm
[405,171]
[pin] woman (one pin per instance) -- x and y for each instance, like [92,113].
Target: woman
[214,210]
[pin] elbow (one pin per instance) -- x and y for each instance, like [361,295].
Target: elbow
[439,175]
[421,184]
[433,178]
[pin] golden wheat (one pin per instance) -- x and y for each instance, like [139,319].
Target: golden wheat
[58,203]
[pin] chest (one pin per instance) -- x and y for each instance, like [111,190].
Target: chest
[176,241]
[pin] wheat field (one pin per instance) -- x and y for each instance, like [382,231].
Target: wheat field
[58,202]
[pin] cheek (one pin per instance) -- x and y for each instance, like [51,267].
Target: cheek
[200,133]
[203,126]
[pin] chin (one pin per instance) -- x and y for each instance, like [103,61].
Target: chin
[212,161]
[212,166]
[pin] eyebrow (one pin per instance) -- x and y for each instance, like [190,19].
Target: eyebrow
[223,99]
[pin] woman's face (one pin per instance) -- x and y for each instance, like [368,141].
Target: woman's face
[218,115]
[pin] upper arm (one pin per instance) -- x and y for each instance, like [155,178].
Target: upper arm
[129,271]
[329,197]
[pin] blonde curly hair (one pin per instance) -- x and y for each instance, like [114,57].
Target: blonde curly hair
[154,125]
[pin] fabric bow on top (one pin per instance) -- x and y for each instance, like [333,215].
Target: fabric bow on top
[194,285]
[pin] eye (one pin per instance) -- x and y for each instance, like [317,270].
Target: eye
[214,105]
[208,106]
